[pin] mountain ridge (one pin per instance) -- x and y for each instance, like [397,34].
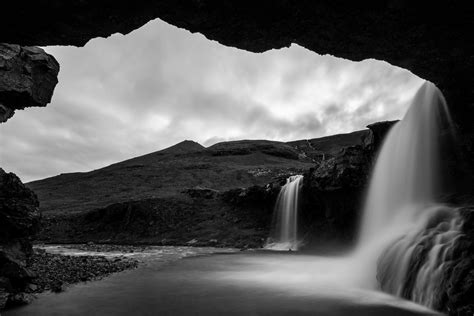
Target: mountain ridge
[170,171]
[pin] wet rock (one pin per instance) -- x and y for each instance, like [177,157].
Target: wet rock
[453,291]
[32,287]
[58,286]
[28,76]
[459,274]
[20,299]
[54,272]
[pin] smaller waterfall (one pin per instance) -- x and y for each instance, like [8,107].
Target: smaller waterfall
[285,234]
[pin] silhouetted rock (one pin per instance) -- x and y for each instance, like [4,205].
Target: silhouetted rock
[27,78]
[19,220]
[414,27]
[19,215]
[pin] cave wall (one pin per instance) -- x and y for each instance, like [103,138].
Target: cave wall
[432,39]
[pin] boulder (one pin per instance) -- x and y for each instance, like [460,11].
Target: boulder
[19,209]
[28,76]
[19,220]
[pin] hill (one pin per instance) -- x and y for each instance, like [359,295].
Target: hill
[169,172]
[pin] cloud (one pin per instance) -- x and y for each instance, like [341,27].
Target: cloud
[130,95]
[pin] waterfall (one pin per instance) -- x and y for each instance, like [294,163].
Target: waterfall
[285,234]
[413,265]
[402,219]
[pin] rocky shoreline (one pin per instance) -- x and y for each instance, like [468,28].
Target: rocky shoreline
[54,272]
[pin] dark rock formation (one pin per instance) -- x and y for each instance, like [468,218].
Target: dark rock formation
[19,220]
[27,78]
[19,208]
[203,217]
[422,36]
[378,132]
[262,197]
[333,192]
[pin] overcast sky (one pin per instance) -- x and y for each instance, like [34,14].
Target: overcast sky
[126,96]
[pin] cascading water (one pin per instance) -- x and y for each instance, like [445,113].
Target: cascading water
[401,211]
[413,265]
[285,234]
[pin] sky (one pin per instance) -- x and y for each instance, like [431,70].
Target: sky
[126,96]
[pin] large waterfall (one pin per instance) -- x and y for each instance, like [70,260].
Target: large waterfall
[403,225]
[285,234]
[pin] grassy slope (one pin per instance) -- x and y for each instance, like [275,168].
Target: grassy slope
[168,172]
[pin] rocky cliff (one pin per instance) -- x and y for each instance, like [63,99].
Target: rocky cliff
[333,191]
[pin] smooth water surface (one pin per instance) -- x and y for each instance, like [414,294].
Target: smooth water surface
[245,283]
